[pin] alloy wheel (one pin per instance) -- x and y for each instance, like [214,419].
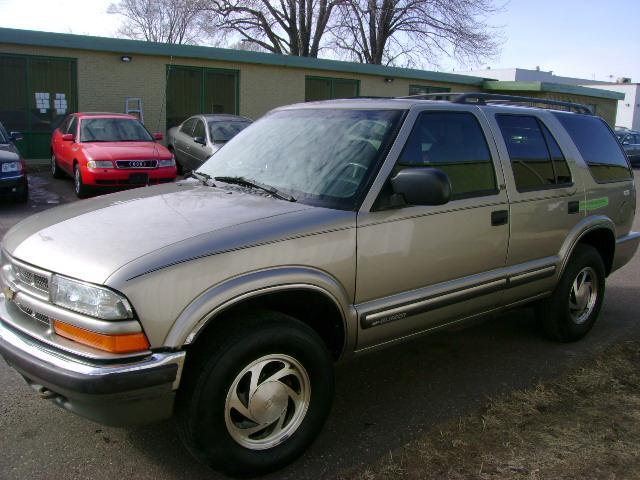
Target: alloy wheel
[583,295]
[267,402]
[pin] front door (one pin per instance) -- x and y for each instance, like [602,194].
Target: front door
[420,267]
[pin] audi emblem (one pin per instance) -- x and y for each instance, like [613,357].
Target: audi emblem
[137,164]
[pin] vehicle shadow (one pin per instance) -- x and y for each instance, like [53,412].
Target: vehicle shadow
[384,400]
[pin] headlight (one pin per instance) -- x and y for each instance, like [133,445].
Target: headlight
[99,164]
[89,299]
[167,163]
[11,167]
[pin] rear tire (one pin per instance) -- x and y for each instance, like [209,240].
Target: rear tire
[268,372]
[570,312]
[82,191]
[55,169]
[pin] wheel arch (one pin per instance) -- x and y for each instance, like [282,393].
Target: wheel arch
[598,232]
[311,296]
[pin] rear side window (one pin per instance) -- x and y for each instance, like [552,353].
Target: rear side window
[536,159]
[454,143]
[187,127]
[598,147]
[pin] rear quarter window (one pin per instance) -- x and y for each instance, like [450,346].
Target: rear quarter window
[598,146]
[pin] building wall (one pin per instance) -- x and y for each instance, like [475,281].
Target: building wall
[604,107]
[628,109]
[104,81]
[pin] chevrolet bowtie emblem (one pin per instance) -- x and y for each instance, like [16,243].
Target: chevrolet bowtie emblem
[10,294]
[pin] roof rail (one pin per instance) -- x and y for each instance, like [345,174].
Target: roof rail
[482,98]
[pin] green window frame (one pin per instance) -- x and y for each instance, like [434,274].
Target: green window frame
[425,89]
[201,78]
[332,85]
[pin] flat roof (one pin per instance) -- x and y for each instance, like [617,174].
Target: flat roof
[128,47]
[500,86]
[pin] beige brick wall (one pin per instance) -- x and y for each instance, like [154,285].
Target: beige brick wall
[104,82]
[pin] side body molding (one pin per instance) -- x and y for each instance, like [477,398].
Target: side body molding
[208,305]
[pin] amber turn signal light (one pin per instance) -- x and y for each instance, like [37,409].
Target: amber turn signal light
[125,343]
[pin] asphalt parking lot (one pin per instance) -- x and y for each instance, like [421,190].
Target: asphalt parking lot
[383,400]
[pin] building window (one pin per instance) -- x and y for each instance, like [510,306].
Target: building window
[325,88]
[194,90]
[424,89]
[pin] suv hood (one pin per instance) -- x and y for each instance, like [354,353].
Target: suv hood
[91,239]
[124,151]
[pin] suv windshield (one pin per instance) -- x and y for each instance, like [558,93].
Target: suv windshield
[113,130]
[322,157]
[223,131]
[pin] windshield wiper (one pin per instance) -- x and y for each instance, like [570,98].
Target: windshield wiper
[205,178]
[261,186]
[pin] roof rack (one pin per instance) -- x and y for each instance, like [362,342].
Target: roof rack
[481,98]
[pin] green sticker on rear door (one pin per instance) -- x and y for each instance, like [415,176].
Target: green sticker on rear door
[594,204]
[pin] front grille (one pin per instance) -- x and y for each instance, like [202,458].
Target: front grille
[38,316]
[32,279]
[136,163]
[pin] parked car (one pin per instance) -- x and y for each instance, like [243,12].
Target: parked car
[109,150]
[630,141]
[198,137]
[13,170]
[226,298]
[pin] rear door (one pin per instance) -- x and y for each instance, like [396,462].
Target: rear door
[545,191]
[183,141]
[419,267]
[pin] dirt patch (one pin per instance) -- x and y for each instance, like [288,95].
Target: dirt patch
[583,425]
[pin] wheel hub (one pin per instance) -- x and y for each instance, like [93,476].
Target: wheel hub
[583,295]
[269,402]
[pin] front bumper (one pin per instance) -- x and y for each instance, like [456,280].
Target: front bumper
[626,248]
[114,177]
[10,186]
[118,394]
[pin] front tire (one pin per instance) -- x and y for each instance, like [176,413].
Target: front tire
[570,312]
[22,195]
[82,191]
[255,401]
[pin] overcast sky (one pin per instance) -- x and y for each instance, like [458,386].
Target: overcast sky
[579,38]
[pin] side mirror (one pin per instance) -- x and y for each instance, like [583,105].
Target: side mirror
[158,136]
[422,186]
[200,140]
[16,136]
[68,137]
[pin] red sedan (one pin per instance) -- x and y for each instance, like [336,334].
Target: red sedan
[109,150]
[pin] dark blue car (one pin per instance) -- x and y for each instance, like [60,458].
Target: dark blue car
[13,172]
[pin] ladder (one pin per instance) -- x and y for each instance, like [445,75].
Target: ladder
[133,106]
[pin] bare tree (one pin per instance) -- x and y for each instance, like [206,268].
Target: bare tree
[166,21]
[416,32]
[290,27]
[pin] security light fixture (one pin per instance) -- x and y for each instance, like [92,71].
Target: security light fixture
[126,58]
[388,80]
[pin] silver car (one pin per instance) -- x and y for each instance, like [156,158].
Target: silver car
[198,137]
[226,298]
[630,141]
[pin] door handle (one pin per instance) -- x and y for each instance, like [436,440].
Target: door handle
[573,207]
[499,217]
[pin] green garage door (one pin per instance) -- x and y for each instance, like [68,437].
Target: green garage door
[193,90]
[35,95]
